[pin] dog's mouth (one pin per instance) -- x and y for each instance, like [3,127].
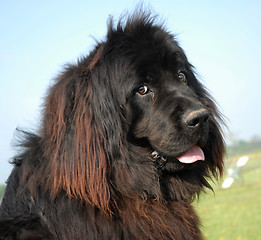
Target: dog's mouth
[177,163]
[173,162]
[192,155]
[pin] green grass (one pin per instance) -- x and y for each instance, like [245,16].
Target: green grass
[2,188]
[234,213]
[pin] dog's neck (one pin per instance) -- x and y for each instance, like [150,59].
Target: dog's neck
[161,220]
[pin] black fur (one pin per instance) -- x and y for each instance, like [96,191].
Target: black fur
[104,162]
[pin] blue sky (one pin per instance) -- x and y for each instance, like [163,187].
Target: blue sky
[222,39]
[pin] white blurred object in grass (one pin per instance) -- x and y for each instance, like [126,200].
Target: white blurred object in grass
[234,173]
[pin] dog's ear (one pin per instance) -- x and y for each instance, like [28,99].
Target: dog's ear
[215,149]
[82,128]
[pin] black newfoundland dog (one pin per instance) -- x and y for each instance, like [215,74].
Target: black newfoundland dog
[128,138]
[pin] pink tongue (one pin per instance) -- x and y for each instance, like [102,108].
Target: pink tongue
[192,155]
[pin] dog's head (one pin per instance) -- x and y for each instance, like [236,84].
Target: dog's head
[132,119]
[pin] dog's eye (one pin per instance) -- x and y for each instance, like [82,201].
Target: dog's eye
[143,90]
[182,77]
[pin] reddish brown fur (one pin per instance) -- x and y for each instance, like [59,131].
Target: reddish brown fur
[86,179]
[88,174]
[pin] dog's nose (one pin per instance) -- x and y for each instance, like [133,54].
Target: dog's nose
[196,118]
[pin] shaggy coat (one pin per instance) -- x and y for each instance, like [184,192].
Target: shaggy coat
[111,158]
